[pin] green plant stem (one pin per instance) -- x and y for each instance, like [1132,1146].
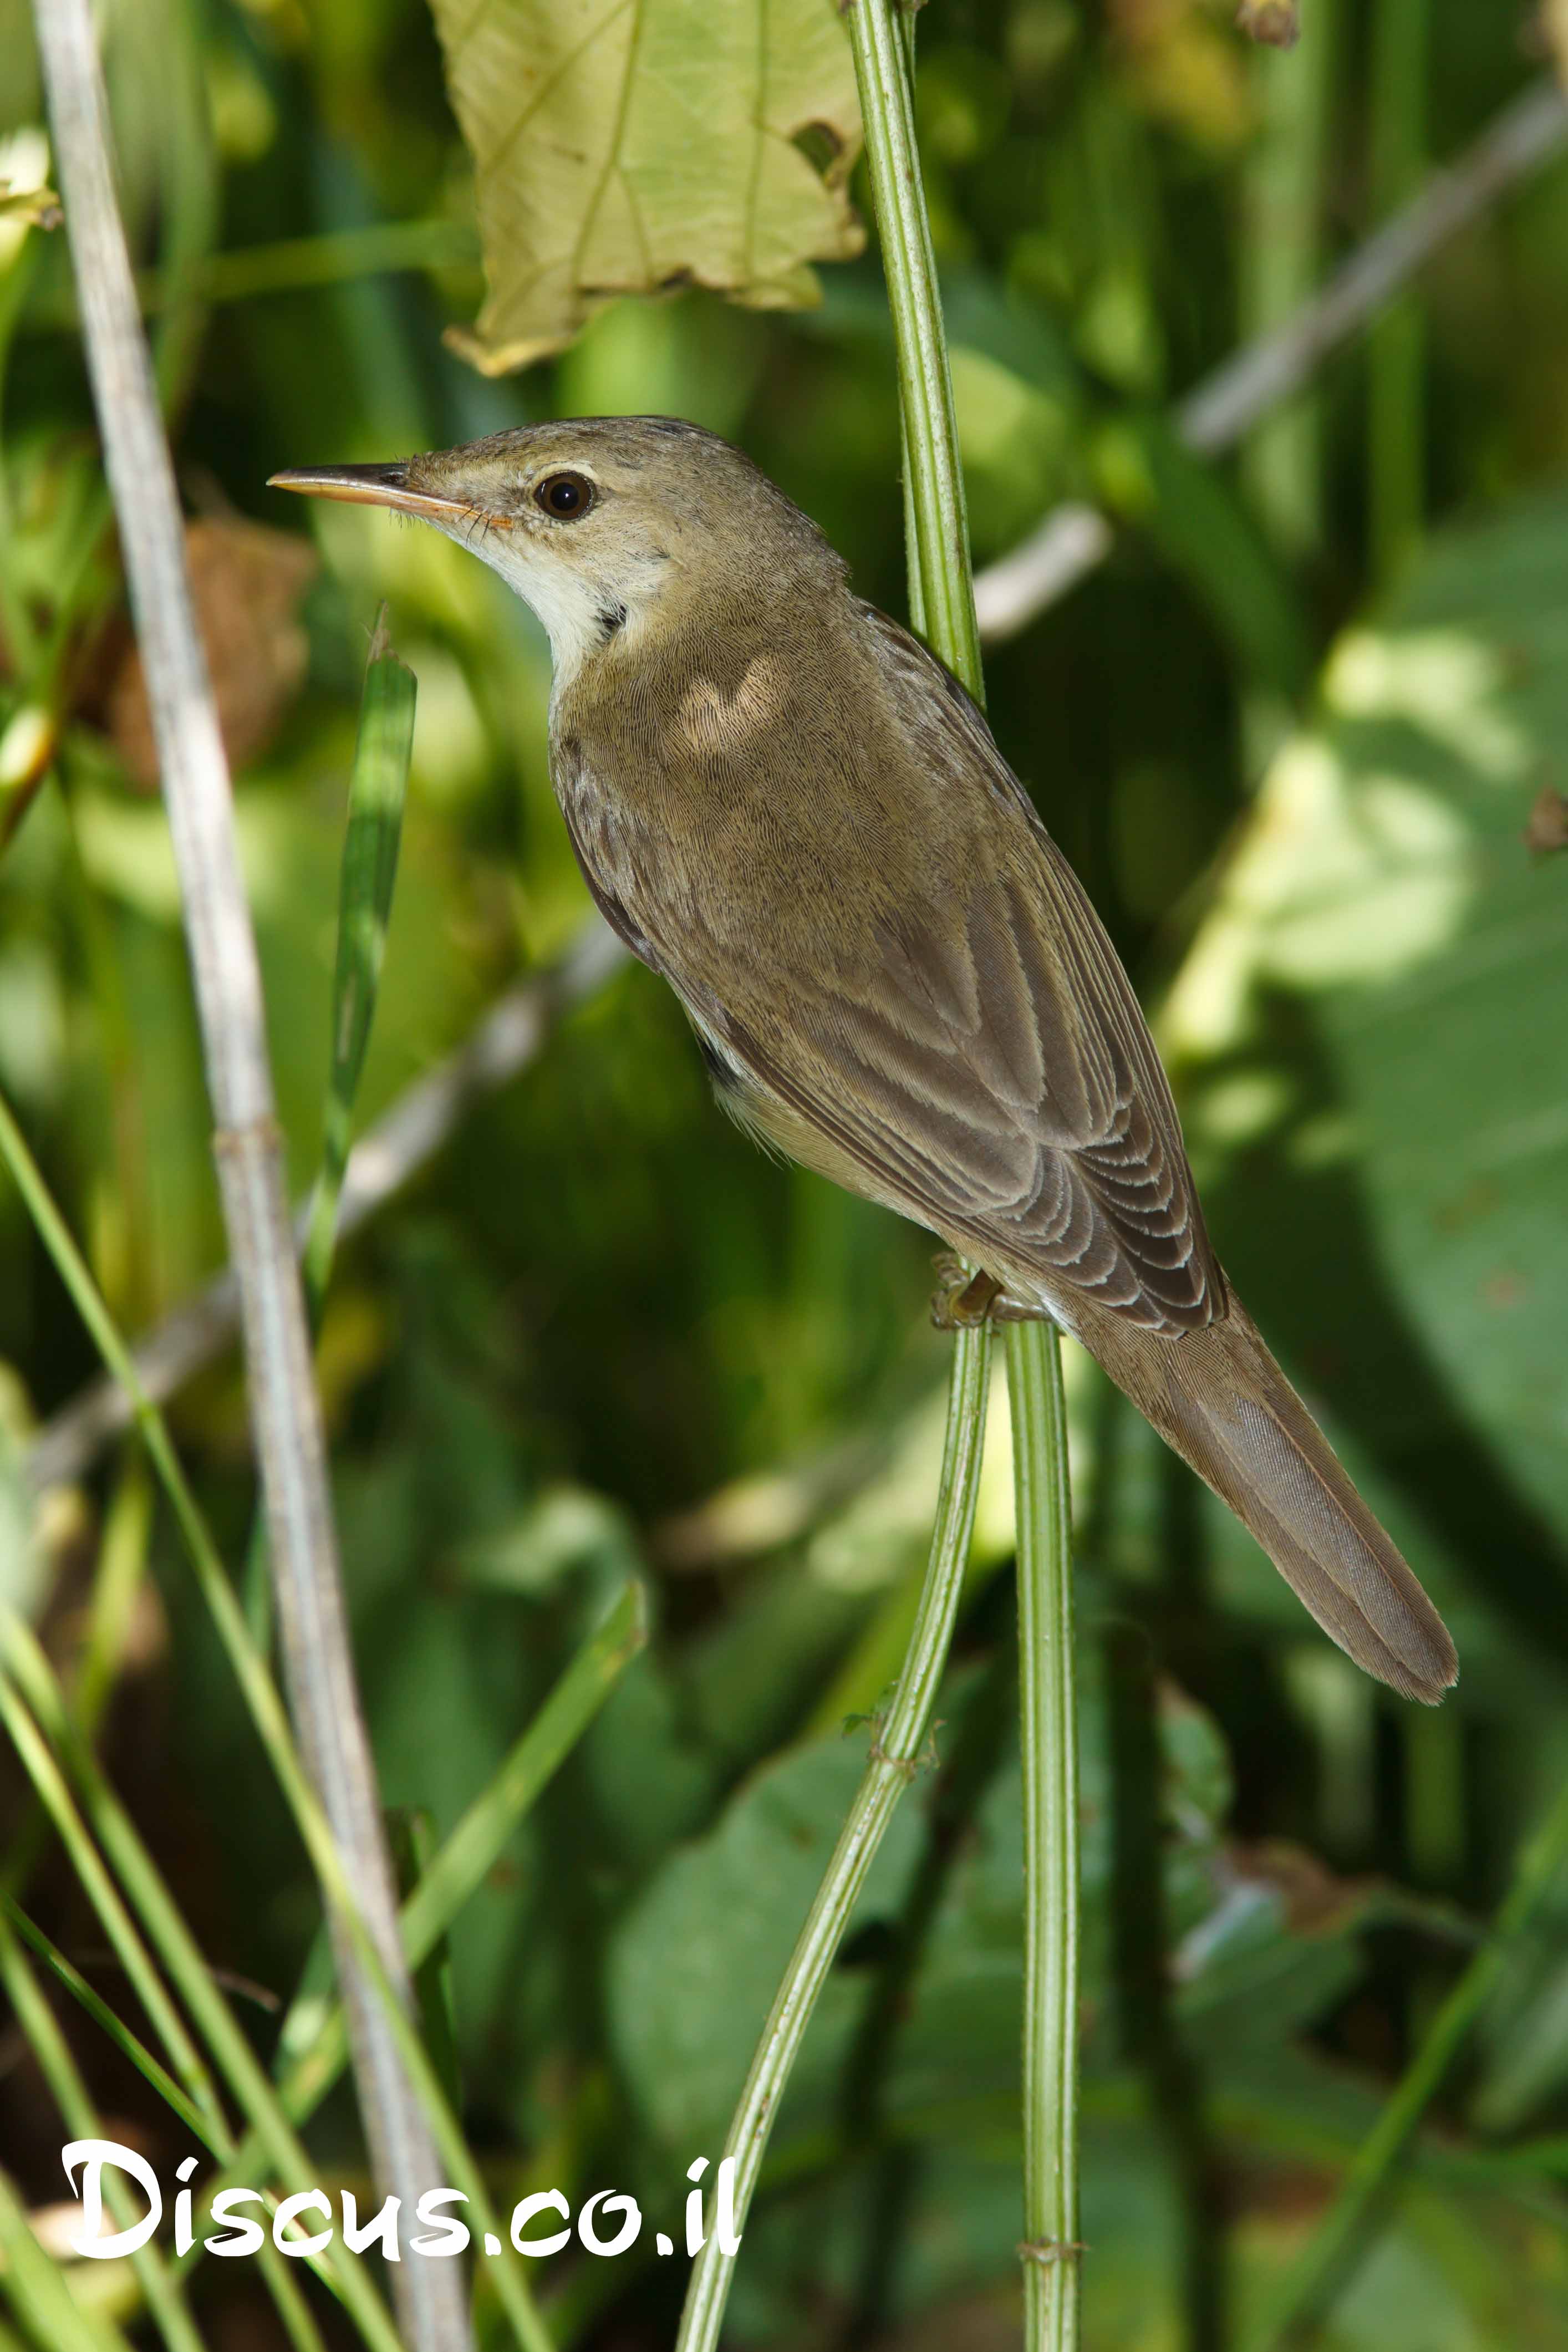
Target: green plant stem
[1280,264]
[895,1750]
[187,1967]
[71,1981]
[378,788]
[164,2296]
[39,2287]
[942,593]
[1395,348]
[290,265]
[185,1963]
[226,980]
[943,605]
[468,1853]
[129,1949]
[161,2280]
[265,1708]
[1317,2268]
[1048,1718]
[21,636]
[452,1876]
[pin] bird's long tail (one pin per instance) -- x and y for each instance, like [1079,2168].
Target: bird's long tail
[1220,1399]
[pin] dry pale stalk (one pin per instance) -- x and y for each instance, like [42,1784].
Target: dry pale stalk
[312,1615]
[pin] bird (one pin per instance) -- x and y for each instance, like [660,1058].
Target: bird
[785,805]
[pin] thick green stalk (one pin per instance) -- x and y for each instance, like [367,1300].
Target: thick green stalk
[1048,1692]
[942,592]
[1318,2268]
[1396,347]
[896,1752]
[942,606]
[941,600]
[1281,264]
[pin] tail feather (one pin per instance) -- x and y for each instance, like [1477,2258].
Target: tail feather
[1217,1396]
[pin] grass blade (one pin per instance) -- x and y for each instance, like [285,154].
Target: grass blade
[102,1894]
[378,787]
[472,1848]
[103,2017]
[1320,2265]
[187,1967]
[377,791]
[39,2294]
[163,2292]
[413,1837]
[158,1908]
[895,1750]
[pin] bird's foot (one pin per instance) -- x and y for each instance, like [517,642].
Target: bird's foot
[961,1299]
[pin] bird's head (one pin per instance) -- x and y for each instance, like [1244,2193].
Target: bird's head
[605,526]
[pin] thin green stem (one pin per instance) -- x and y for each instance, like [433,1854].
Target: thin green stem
[941,593]
[102,1894]
[1281,263]
[291,266]
[1396,347]
[942,607]
[468,1853]
[21,637]
[131,2045]
[37,2287]
[261,1698]
[1318,2268]
[378,787]
[187,1967]
[165,2297]
[896,1751]
[185,1963]
[1048,1719]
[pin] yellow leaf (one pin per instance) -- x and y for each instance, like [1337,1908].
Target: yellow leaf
[1554,30]
[631,146]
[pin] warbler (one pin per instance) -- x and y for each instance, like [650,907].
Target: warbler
[784,804]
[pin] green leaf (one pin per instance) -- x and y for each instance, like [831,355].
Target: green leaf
[628,146]
[378,790]
[1368,1033]
[959,2036]
[696,1961]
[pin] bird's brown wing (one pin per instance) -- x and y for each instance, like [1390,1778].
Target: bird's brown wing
[994,1075]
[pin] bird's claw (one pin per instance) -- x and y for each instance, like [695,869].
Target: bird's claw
[961,1300]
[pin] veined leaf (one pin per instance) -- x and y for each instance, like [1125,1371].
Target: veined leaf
[629,146]
[1368,1030]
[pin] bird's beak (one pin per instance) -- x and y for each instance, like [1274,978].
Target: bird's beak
[373,486]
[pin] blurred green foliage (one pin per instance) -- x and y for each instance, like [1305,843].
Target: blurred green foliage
[602,1335]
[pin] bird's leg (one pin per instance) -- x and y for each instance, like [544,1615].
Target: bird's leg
[961,1299]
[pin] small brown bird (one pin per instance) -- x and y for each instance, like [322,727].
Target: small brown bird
[784,804]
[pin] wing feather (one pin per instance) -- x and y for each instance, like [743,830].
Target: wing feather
[964,1045]
[1000,1070]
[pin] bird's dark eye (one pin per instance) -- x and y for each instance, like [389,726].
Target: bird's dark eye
[564,496]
